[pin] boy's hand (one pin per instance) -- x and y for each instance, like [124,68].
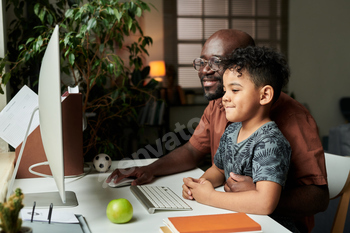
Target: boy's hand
[200,189]
[186,192]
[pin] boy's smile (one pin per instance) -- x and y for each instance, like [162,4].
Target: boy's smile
[242,98]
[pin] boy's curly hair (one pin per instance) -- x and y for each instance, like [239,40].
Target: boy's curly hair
[264,65]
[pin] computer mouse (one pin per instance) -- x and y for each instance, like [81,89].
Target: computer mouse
[123,182]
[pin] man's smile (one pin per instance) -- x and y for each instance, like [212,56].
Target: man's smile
[209,83]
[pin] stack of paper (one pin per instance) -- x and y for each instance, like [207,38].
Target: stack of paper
[233,222]
[16,115]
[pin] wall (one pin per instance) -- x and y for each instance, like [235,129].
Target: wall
[319,57]
[152,26]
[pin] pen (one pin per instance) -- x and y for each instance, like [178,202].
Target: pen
[50,213]
[31,219]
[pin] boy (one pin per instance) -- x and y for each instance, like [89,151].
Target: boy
[253,145]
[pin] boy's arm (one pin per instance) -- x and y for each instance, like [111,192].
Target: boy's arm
[215,175]
[262,200]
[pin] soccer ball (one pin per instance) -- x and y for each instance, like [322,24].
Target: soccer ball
[102,162]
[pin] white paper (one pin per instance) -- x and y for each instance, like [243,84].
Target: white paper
[16,115]
[41,215]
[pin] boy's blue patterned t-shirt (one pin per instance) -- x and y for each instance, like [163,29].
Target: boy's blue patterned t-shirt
[264,155]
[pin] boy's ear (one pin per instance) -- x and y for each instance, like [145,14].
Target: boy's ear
[266,95]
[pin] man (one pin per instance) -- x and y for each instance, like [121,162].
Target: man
[306,191]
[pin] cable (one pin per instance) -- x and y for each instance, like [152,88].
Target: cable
[50,176]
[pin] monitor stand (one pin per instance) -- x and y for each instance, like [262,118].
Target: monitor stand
[44,200]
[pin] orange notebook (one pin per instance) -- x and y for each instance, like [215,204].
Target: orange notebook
[233,222]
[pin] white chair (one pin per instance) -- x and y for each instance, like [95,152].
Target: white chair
[338,176]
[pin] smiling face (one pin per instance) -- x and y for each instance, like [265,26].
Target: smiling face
[212,80]
[220,44]
[242,98]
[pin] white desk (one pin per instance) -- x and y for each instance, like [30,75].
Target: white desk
[94,196]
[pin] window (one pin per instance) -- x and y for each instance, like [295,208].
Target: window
[188,23]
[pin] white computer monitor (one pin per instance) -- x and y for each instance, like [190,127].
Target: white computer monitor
[50,116]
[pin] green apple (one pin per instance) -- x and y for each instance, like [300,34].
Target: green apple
[119,210]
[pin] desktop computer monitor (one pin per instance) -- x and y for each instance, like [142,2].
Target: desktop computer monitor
[50,116]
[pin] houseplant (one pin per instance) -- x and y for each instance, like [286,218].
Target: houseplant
[9,213]
[95,54]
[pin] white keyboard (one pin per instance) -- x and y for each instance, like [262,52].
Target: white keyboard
[158,198]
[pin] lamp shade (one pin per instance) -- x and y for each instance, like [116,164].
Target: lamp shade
[157,69]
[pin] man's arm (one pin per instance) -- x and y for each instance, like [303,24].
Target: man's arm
[299,201]
[303,200]
[181,159]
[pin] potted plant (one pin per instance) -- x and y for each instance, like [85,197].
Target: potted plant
[9,213]
[96,56]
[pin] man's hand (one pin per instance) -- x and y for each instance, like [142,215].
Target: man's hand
[239,183]
[143,175]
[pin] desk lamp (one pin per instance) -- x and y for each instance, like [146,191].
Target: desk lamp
[157,70]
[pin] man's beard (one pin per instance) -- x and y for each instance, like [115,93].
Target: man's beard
[219,92]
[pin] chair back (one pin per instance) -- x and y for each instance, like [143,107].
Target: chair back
[338,177]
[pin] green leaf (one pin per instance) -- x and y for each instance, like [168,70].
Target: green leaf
[145,72]
[66,38]
[36,8]
[30,40]
[110,68]
[118,14]
[92,79]
[2,65]
[133,28]
[152,84]
[77,16]
[138,12]
[42,15]
[126,6]
[67,52]
[115,95]
[136,77]
[71,59]
[69,13]
[129,22]
[6,78]
[123,97]
[38,44]
[101,48]
[83,30]
[91,24]
[50,19]
[110,11]
[145,6]
[91,9]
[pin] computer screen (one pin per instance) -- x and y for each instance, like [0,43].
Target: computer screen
[50,116]
[50,113]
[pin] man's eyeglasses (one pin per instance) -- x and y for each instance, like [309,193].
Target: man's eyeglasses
[213,62]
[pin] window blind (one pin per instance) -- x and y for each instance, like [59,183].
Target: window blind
[189,23]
